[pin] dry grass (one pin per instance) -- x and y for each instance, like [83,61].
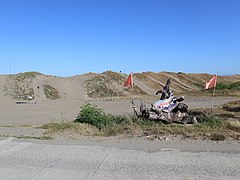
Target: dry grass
[234,125]
[213,129]
[71,127]
[101,86]
[109,84]
[51,92]
[212,126]
[20,85]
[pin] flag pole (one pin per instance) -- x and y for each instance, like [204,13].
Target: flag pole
[213,99]
[132,82]
[214,91]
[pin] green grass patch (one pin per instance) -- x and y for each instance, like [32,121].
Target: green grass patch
[228,86]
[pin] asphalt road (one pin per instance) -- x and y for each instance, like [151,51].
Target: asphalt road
[29,160]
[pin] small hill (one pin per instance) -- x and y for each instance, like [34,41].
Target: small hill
[190,84]
[110,84]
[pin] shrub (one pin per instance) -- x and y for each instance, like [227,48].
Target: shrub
[91,114]
[211,126]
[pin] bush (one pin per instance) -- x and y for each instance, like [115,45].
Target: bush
[211,126]
[93,115]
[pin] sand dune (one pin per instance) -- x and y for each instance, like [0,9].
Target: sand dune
[73,92]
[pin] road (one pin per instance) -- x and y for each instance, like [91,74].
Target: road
[35,161]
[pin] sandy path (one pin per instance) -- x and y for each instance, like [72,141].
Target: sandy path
[59,110]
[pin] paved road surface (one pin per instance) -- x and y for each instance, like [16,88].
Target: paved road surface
[29,160]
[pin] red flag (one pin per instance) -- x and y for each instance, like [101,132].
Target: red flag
[129,82]
[212,83]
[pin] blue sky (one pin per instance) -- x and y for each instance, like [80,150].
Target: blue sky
[70,37]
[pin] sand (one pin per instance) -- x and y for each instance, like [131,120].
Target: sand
[20,120]
[61,110]
[73,96]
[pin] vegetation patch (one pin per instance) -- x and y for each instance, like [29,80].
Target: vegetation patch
[232,107]
[51,92]
[103,86]
[229,86]
[109,84]
[95,116]
[72,127]
[217,137]
[227,89]
[19,85]
[31,74]
[234,125]
[116,77]
[135,90]
[92,120]
[141,77]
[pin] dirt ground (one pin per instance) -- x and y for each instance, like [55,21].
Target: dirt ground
[43,112]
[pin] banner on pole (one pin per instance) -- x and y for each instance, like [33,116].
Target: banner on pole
[129,82]
[211,83]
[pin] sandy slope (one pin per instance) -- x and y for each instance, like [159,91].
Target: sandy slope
[4,99]
[69,88]
[73,95]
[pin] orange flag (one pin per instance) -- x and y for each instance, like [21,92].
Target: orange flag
[129,82]
[212,83]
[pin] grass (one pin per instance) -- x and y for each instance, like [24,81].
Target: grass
[51,92]
[114,76]
[233,107]
[101,86]
[135,90]
[109,84]
[217,131]
[234,125]
[20,85]
[93,121]
[72,127]
[229,86]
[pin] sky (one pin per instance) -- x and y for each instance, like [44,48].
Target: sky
[71,37]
